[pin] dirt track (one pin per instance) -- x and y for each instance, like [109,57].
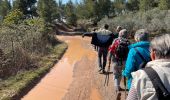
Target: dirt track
[75,77]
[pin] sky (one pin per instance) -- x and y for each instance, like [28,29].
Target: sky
[65,1]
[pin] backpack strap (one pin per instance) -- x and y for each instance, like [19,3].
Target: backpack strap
[140,54]
[161,91]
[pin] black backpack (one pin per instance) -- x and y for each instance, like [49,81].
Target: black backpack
[122,49]
[161,92]
[144,61]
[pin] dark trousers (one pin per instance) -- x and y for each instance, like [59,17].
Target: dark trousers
[102,57]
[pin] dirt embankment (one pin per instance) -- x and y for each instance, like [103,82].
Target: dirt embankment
[64,29]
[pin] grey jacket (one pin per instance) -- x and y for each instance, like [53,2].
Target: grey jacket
[144,86]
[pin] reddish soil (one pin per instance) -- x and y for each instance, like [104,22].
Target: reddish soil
[75,76]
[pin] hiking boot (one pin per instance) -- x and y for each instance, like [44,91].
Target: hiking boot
[100,70]
[103,71]
[118,88]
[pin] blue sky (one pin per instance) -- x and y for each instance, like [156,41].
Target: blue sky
[65,1]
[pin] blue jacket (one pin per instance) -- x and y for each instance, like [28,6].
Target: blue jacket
[134,60]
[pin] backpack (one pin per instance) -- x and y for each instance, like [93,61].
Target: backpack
[122,49]
[144,62]
[161,92]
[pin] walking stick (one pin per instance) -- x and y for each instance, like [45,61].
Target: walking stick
[107,75]
[125,86]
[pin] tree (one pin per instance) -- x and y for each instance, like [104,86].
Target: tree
[164,4]
[70,13]
[27,7]
[14,17]
[132,5]
[48,10]
[119,6]
[5,7]
[146,5]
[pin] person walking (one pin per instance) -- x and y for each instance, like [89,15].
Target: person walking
[117,61]
[136,50]
[103,40]
[143,86]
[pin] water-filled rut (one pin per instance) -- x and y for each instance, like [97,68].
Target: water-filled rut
[72,77]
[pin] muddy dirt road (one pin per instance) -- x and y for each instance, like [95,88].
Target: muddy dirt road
[75,76]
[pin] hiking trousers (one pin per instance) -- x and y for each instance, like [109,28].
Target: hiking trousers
[117,71]
[102,57]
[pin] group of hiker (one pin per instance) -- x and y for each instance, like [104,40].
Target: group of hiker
[144,64]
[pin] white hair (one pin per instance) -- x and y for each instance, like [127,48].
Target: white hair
[142,35]
[161,46]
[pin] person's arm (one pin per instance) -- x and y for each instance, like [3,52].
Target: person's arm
[132,95]
[110,57]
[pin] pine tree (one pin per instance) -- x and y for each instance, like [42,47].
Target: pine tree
[70,13]
[5,7]
[132,5]
[48,10]
[27,7]
[0,9]
[164,4]
[119,6]
[146,5]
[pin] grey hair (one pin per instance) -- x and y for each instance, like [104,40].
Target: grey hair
[161,46]
[142,35]
[123,33]
[119,28]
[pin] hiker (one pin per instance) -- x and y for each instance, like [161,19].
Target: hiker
[136,50]
[142,87]
[103,39]
[89,33]
[117,61]
[118,29]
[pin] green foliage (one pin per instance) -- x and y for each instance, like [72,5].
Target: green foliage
[48,10]
[164,4]
[132,5]
[146,5]
[27,7]
[14,17]
[155,20]
[23,44]
[85,9]
[5,7]
[119,6]
[70,13]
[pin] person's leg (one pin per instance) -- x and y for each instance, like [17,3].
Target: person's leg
[116,74]
[100,58]
[105,51]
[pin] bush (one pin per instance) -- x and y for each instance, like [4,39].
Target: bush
[22,45]
[154,20]
[14,17]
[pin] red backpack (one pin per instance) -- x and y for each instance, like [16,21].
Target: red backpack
[120,48]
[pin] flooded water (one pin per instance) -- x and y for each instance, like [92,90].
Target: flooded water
[56,83]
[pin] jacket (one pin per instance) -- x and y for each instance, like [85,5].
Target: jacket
[102,38]
[144,86]
[134,60]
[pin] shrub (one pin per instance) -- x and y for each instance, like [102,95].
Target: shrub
[22,45]
[154,20]
[14,17]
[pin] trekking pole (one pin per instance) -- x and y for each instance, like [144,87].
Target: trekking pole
[107,75]
[105,80]
[125,86]
[108,70]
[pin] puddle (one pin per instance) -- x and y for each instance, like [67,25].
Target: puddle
[56,83]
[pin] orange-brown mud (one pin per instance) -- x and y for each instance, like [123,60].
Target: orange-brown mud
[75,76]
